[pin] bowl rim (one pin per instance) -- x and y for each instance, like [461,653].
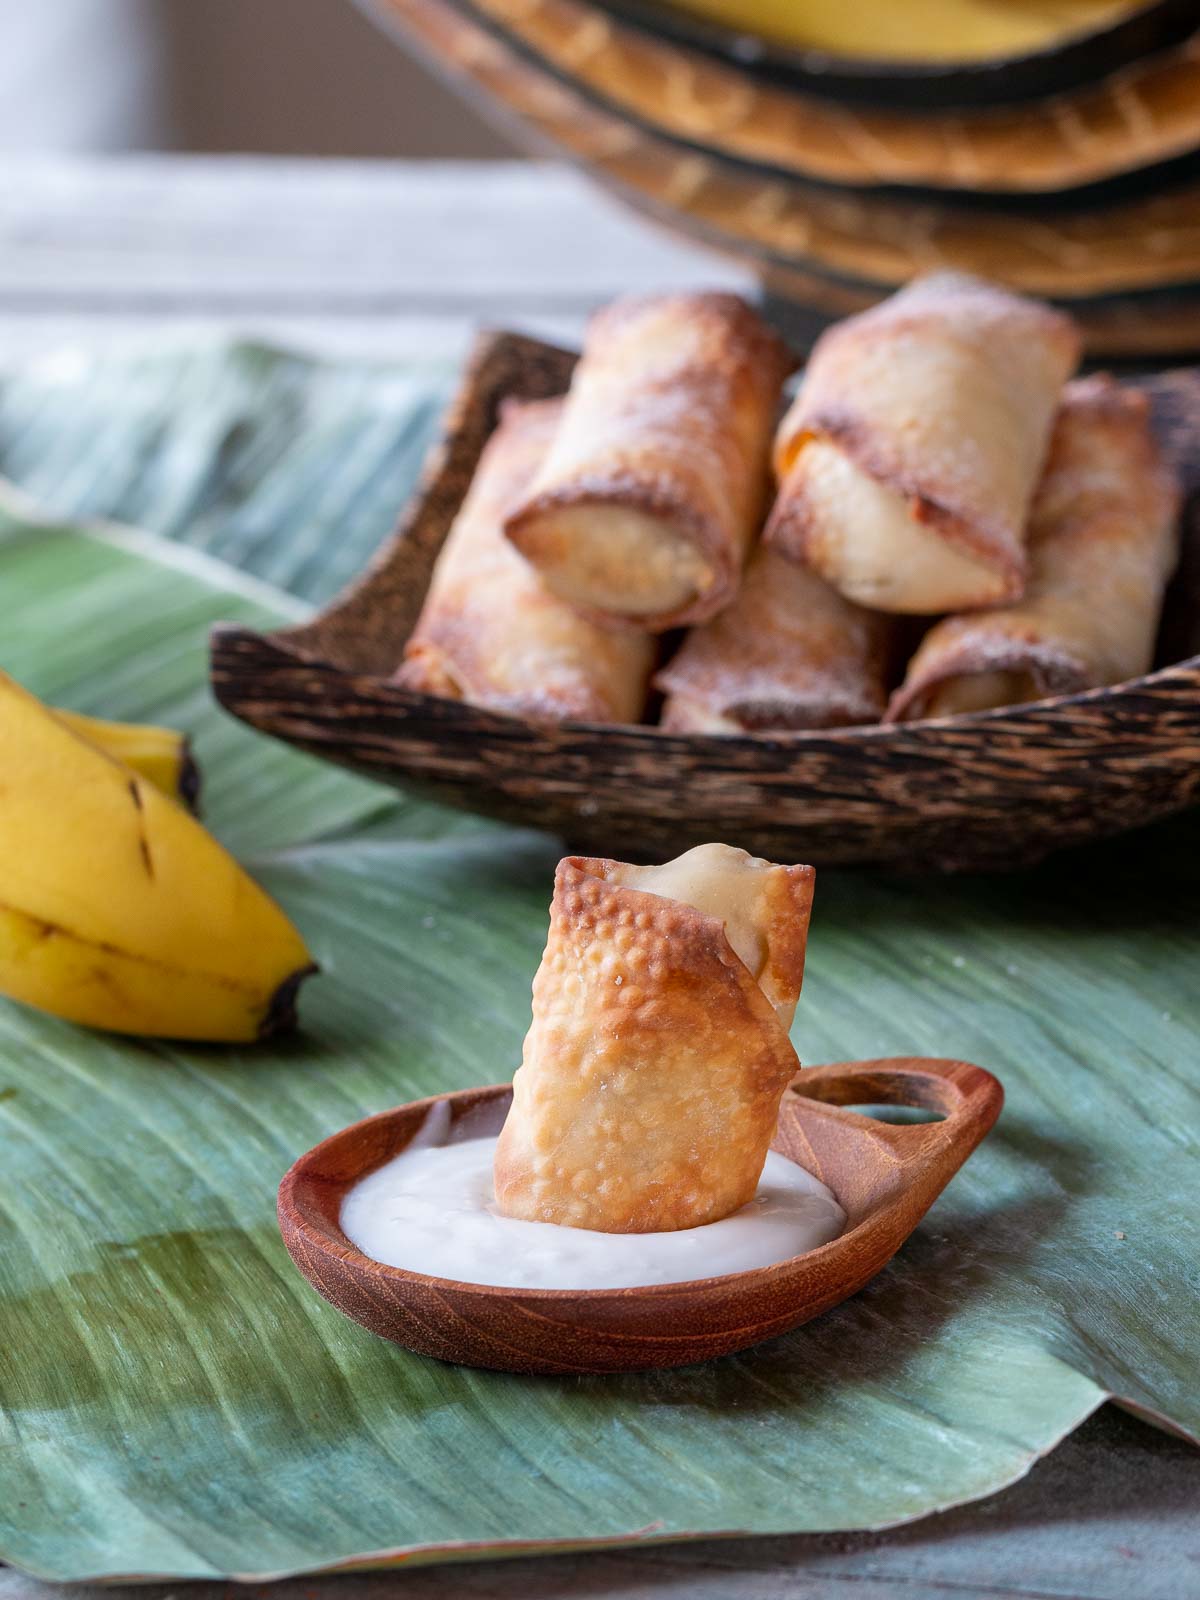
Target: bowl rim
[353,1258]
[654,735]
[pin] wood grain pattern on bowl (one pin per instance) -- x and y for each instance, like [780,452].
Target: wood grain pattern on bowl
[885,1177]
[994,790]
[728,107]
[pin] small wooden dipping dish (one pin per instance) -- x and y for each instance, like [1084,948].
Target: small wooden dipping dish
[886,1176]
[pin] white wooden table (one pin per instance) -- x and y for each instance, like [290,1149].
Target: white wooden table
[401,261]
[351,257]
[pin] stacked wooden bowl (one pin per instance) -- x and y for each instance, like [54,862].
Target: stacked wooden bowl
[1071,170]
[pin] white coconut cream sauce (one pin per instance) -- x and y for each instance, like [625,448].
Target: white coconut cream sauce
[431,1210]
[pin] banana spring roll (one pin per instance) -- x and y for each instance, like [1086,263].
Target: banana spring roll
[1103,542]
[650,1082]
[490,633]
[789,653]
[656,482]
[909,458]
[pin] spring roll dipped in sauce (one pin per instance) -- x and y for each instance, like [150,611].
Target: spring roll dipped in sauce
[645,507]
[652,1073]
[490,633]
[1103,543]
[909,458]
[789,653]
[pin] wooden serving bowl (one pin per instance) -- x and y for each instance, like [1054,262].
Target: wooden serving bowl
[885,1177]
[993,790]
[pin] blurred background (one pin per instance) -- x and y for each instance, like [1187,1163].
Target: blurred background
[297,77]
[826,152]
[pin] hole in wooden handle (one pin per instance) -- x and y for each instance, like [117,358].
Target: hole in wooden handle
[956,1090]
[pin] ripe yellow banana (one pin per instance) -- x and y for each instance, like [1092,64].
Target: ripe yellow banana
[117,909]
[162,756]
[917,30]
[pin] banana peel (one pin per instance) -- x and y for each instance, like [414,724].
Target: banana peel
[161,755]
[117,909]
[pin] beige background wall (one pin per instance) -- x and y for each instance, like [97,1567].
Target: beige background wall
[291,76]
[311,77]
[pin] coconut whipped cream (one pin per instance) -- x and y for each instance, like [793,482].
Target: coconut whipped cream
[431,1210]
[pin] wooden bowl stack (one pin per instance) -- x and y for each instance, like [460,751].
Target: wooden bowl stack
[1071,172]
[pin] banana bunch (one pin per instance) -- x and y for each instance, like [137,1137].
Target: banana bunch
[117,909]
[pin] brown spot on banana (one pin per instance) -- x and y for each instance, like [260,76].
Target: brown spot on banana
[143,842]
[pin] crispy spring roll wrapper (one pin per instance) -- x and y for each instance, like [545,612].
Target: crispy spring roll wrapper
[789,653]
[909,458]
[490,633]
[1103,542]
[651,1078]
[657,480]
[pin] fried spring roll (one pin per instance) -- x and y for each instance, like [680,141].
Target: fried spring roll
[651,1077]
[656,483]
[789,653]
[909,458]
[1103,542]
[490,633]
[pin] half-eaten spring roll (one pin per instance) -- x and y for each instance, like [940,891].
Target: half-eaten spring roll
[656,483]
[908,459]
[650,1082]
[789,653]
[1103,542]
[490,633]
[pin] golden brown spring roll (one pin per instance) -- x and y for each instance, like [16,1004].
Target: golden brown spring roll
[789,653]
[908,459]
[1103,542]
[656,483]
[650,1082]
[490,633]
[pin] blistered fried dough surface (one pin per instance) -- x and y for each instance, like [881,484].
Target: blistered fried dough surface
[790,652]
[490,632]
[908,459]
[1103,542]
[657,479]
[652,1074]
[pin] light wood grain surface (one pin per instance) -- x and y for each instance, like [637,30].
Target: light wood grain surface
[404,262]
[371,258]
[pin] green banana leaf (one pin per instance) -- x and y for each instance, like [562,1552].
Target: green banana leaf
[177,1401]
[291,468]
